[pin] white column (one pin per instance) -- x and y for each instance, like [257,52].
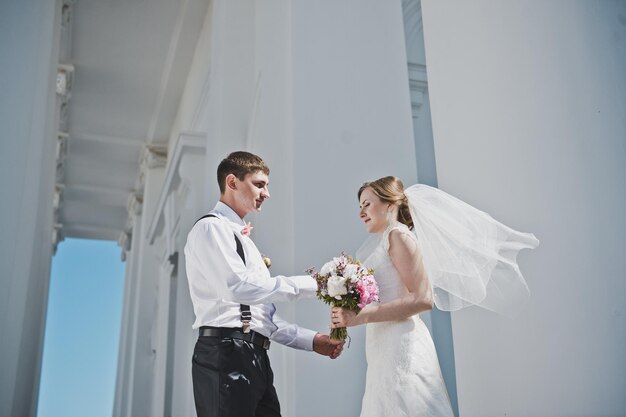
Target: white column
[164,337]
[146,298]
[191,173]
[125,368]
[122,397]
[136,363]
[179,204]
[29,39]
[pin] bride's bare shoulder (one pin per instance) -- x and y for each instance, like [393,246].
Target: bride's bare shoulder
[402,240]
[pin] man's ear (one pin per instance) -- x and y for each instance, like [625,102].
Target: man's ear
[231,181]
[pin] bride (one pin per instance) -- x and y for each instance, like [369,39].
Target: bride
[428,248]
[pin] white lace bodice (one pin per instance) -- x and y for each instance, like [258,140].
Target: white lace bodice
[390,283]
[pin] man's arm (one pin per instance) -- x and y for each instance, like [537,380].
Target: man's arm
[292,335]
[212,248]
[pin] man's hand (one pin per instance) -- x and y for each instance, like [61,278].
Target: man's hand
[326,346]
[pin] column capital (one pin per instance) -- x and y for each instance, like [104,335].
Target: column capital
[61,150]
[57,197]
[134,207]
[189,150]
[153,156]
[418,84]
[65,75]
[66,13]
[134,203]
[124,241]
[57,236]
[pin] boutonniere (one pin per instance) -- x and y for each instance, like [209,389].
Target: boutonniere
[267,261]
[247,229]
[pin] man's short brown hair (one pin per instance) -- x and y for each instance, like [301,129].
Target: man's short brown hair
[239,164]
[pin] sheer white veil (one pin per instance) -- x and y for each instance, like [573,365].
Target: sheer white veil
[470,258]
[368,247]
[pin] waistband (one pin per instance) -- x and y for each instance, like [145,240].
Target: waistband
[236,333]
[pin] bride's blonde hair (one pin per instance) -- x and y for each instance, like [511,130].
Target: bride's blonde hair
[391,190]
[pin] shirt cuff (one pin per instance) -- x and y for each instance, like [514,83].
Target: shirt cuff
[304,339]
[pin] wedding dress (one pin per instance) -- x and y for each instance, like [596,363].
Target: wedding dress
[470,260]
[403,375]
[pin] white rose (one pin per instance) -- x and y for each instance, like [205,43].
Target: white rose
[350,271]
[337,286]
[328,268]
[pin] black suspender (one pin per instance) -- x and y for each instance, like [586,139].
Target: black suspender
[246,314]
[237,241]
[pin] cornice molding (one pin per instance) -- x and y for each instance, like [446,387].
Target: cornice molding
[418,83]
[66,13]
[134,204]
[65,76]
[57,236]
[61,153]
[57,197]
[64,110]
[134,207]
[152,156]
[417,73]
[124,241]
[188,143]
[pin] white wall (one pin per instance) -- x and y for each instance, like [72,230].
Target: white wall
[528,102]
[29,37]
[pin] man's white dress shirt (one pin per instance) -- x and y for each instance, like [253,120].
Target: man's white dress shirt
[219,281]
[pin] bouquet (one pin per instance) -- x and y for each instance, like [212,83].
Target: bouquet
[344,282]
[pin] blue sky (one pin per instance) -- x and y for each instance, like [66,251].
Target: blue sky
[82,330]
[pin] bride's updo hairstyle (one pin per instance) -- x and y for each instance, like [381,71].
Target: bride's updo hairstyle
[391,190]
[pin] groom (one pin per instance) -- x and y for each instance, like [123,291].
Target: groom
[232,294]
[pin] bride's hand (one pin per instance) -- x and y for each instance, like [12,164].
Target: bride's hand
[341,317]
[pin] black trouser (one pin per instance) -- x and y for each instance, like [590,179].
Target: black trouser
[232,378]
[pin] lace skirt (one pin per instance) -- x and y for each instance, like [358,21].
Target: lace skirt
[403,375]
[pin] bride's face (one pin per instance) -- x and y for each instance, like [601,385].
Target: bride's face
[373,211]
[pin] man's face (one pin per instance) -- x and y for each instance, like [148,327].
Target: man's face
[251,192]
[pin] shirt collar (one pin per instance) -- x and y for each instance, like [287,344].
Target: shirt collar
[225,211]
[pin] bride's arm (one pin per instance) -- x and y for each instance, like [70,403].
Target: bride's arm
[407,259]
